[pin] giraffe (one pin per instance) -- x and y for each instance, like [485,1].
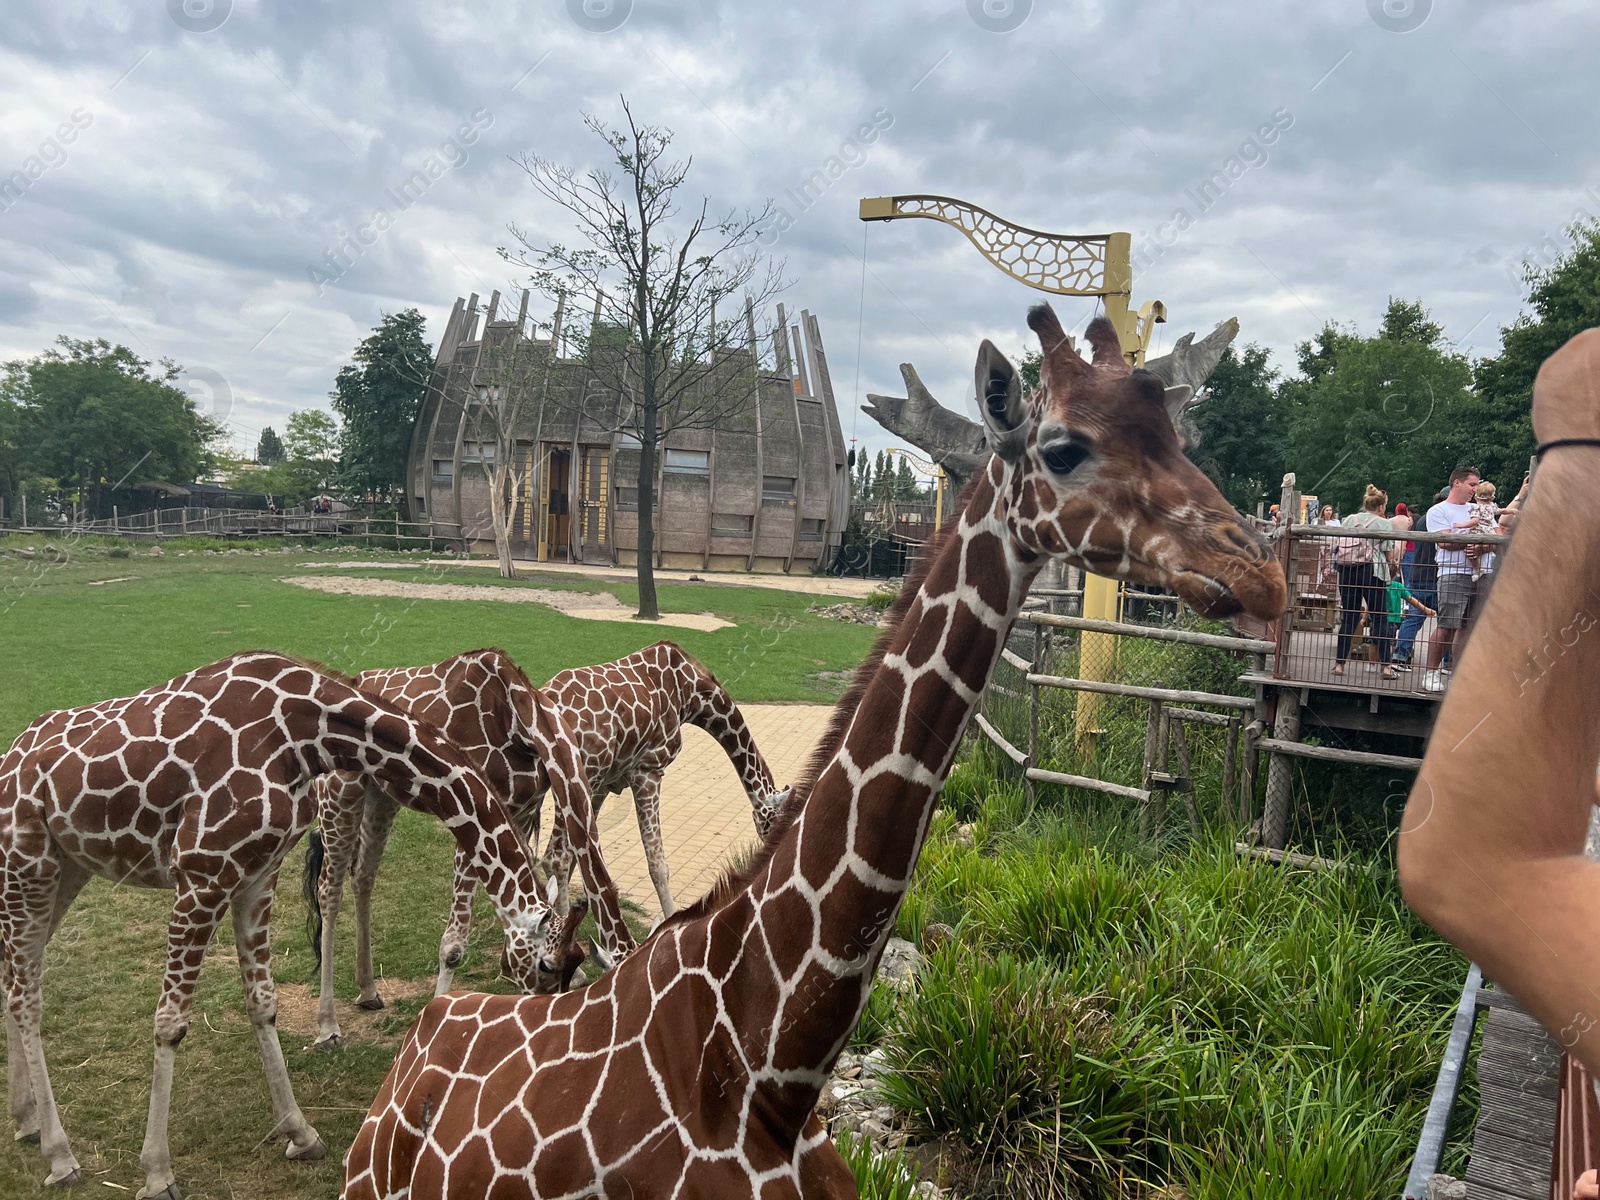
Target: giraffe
[509,730]
[693,1068]
[201,785]
[628,716]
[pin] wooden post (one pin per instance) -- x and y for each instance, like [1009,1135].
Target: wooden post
[1151,730]
[1230,763]
[1275,813]
[1033,715]
[113,518]
[1180,745]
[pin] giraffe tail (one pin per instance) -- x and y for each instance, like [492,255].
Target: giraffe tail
[310,885]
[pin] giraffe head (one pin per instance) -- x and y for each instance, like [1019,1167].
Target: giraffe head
[1091,470]
[564,954]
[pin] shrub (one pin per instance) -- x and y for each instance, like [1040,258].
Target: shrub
[878,1176]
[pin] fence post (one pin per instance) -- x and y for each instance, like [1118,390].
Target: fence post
[113,518]
[1230,772]
[1180,746]
[1152,734]
[1033,714]
[1275,813]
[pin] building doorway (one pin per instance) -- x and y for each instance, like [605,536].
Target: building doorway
[556,529]
[594,480]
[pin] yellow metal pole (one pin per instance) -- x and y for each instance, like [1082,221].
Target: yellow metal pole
[1097,652]
[1097,659]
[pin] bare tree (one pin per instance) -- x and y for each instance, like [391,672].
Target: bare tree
[654,276]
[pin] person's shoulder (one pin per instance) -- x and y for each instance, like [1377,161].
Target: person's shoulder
[1437,516]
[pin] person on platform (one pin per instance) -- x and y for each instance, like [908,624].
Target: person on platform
[1453,514]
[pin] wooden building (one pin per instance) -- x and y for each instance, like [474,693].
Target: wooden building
[763,488]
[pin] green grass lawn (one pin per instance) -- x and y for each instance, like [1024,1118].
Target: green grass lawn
[64,641]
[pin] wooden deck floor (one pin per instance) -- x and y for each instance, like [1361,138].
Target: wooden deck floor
[1310,660]
[1519,1067]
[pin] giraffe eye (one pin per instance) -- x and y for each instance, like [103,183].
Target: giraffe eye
[1064,457]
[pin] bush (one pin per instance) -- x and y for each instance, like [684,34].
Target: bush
[1211,1025]
[878,1176]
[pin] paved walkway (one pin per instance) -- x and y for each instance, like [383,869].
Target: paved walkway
[816,585]
[705,815]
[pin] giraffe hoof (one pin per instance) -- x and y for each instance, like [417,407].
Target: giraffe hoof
[170,1192]
[73,1178]
[332,1042]
[26,1135]
[315,1152]
[371,1004]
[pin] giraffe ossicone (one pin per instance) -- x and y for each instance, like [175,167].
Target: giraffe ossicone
[694,1067]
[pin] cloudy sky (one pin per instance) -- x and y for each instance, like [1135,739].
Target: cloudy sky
[218,151]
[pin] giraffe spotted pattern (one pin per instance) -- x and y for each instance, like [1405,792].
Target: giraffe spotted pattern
[201,786]
[627,718]
[523,746]
[692,1070]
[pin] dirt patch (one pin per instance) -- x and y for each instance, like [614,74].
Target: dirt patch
[297,1010]
[586,606]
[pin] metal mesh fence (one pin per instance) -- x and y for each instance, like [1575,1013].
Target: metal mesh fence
[1185,748]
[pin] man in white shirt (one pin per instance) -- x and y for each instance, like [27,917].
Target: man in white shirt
[1451,515]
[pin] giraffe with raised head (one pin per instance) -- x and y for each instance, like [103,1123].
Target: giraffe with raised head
[522,744]
[202,785]
[693,1069]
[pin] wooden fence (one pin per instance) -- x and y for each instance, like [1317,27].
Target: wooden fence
[246,524]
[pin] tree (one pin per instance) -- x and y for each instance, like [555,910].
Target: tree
[1386,410]
[269,450]
[377,398]
[657,276]
[1565,297]
[90,413]
[1241,426]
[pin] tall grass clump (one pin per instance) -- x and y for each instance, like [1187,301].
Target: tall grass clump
[1118,1016]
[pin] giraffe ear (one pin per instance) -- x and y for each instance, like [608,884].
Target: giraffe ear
[999,391]
[1177,399]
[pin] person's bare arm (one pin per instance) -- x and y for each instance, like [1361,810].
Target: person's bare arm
[1491,848]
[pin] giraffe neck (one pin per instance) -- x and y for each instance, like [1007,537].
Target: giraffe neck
[832,887]
[424,772]
[712,709]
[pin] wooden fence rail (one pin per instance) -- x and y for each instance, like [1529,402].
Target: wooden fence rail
[247,524]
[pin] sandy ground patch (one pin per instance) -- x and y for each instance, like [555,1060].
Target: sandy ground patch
[297,1009]
[816,585]
[586,606]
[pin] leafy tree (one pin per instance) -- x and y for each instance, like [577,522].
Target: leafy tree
[1565,297]
[311,436]
[378,398]
[661,270]
[1241,424]
[269,450]
[1386,409]
[863,475]
[89,413]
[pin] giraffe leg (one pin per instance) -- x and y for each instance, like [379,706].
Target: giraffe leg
[196,910]
[338,833]
[377,823]
[33,1101]
[453,945]
[559,858]
[647,804]
[252,916]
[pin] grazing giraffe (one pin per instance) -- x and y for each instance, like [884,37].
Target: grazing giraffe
[693,1068]
[201,785]
[628,717]
[512,734]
